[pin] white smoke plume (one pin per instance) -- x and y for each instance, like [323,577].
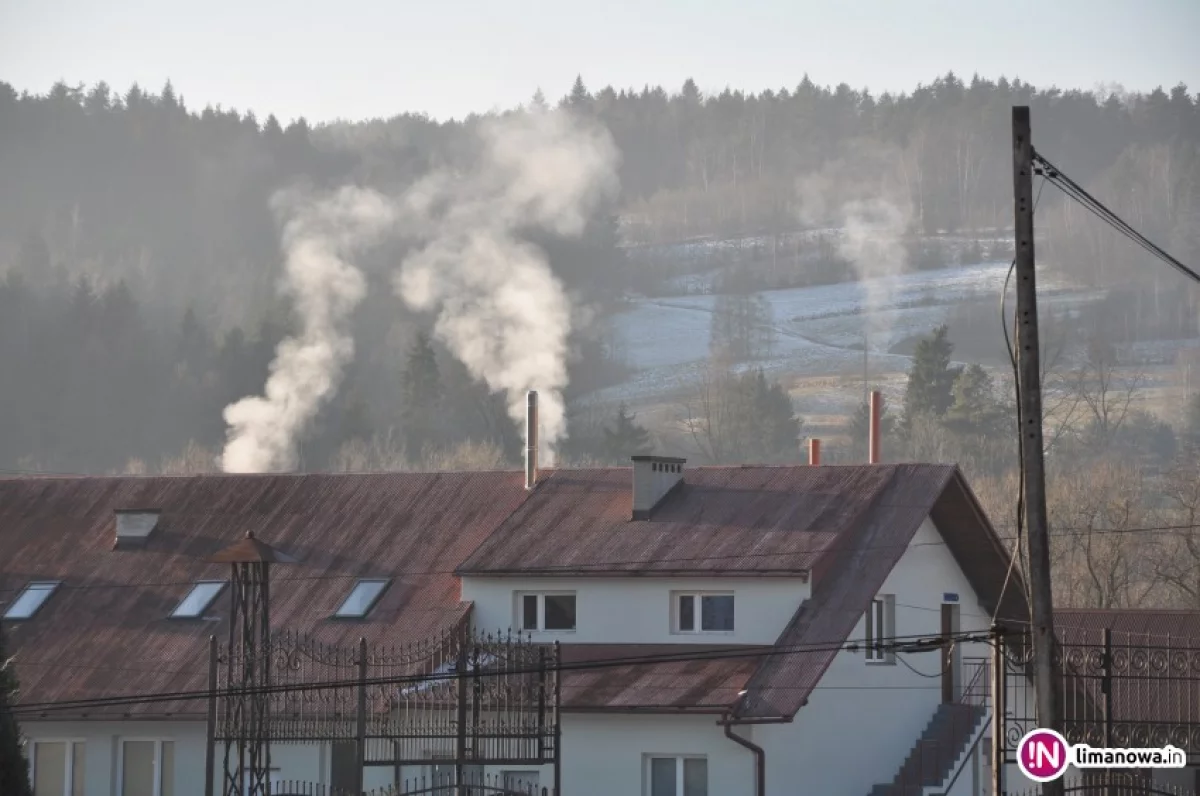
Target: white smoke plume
[873,215]
[499,308]
[319,234]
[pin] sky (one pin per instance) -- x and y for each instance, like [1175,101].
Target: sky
[358,59]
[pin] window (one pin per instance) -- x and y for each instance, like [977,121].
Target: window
[57,768]
[147,768]
[198,600]
[880,632]
[703,613]
[546,611]
[678,776]
[361,599]
[30,599]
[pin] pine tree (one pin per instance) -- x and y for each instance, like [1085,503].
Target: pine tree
[422,385]
[626,438]
[975,409]
[773,430]
[14,769]
[931,378]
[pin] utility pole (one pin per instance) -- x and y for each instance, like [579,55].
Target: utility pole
[1037,526]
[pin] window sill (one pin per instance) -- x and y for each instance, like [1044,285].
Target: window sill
[551,632]
[884,662]
[703,632]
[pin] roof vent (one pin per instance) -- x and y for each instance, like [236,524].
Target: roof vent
[653,478]
[134,527]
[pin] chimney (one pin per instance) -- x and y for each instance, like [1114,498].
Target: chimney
[814,451]
[654,477]
[873,435]
[531,440]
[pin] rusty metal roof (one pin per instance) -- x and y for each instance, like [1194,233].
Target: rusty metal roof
[850,577]
[720,521]
[1129,626]
[658,677]
[106,632]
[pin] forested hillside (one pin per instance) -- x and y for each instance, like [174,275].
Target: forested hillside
[142,257]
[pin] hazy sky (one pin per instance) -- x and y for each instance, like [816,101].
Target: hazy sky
[366,58]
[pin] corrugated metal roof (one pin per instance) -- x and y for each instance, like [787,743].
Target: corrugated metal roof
[105,634]
[720,521]
[667,683]
[845,525]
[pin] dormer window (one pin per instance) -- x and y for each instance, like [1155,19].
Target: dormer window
[31,598]
[134,527]
[198,600]
[362,599]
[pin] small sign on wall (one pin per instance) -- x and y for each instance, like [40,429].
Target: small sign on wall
[949,597]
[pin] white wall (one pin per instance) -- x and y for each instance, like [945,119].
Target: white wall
[636,610]
[102,739]
[868,716]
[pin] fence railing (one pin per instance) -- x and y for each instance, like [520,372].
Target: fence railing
[437,784]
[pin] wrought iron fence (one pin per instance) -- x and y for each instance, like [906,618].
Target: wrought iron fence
[442,784]
[1127,691]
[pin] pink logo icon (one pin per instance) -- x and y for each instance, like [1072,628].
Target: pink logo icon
[1042,755]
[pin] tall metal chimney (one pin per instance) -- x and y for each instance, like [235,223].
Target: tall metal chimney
[531,439]
[814,451]
[873,434]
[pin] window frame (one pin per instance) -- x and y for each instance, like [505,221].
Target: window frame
[366,611]
[204,608]
[648,771]
[68,762]
[519,610]
[49,592]
[882,610]
[698,613]
[158,742]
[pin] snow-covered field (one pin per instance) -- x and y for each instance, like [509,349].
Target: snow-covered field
[819,330]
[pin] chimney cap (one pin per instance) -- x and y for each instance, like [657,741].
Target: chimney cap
[659,459]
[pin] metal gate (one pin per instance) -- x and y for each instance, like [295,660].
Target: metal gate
[451,704]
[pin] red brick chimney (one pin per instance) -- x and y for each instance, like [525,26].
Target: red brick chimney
[814,451]
[873,438]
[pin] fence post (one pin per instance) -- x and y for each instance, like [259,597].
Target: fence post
[360,733]
[210,746]
[557,718]
[460,746]
[999,711]
[1106,691]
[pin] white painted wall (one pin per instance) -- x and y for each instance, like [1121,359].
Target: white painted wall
[102,739]
[635,610]
[866,717]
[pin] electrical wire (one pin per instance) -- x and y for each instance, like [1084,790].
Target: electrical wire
[933,643]
[1072,189]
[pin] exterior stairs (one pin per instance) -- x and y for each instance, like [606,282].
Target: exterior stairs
[941,745]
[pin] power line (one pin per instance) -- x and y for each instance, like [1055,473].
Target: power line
[909,643]
[1075,191]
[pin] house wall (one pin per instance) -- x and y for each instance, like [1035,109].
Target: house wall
[102,739]
[864,718]
[630,610]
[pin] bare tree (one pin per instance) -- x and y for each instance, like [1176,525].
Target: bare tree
[466,455]
[1099,559]
[712,415]
[1179,566]
[383,452]
[1105,393]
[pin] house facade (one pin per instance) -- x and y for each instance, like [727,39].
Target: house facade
[740,631]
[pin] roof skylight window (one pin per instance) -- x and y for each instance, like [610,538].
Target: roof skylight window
[31,599]
[361,599]
[198,599]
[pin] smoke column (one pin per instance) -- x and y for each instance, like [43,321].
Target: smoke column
[499,308]
[319,234]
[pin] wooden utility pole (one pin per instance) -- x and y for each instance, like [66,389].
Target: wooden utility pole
[1037,526]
